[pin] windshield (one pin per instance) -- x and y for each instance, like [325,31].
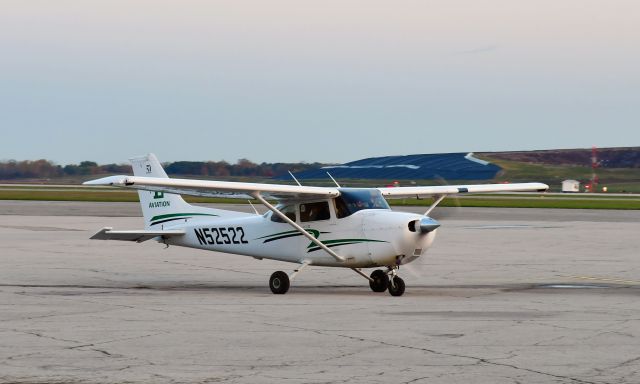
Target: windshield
[354,200]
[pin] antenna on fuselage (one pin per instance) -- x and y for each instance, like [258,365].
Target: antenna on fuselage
[334,180]
[254,208]
[294,178]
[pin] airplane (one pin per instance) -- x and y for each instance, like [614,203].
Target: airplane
[309,226]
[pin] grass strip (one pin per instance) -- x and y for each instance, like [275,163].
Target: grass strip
[511,202]
[98,196]
[526,203]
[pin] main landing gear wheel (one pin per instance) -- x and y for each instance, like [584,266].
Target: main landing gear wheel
[380,281]
[396,288]
[279,283]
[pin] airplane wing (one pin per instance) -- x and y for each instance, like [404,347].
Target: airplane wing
[108,233]
[211,188]
[440,190]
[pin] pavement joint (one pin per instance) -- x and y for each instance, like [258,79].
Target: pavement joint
[478,360]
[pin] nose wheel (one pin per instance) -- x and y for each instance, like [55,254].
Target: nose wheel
[396,286]
[380,281]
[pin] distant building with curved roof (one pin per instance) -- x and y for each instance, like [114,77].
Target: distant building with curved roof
[449,166]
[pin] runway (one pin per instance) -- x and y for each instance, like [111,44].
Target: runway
[503,296]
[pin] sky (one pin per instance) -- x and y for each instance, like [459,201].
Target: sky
[328,81]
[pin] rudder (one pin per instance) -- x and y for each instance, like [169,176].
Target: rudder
[156,206]
[162,210]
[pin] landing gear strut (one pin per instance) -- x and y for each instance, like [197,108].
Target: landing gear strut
[380,281]
[279,282]
[396,286]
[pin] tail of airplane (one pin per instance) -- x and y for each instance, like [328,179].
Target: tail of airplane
[166,209]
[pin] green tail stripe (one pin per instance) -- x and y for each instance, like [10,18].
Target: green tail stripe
[160,217]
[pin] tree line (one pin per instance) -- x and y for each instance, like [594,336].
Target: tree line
[45,169]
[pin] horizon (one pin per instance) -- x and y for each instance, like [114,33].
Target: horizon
[126,161]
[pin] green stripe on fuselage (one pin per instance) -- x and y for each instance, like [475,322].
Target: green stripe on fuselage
[287,234]
[334,243]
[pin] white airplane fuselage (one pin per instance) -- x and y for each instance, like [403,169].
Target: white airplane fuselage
[367,238]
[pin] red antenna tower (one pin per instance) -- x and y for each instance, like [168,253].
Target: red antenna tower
[593,185]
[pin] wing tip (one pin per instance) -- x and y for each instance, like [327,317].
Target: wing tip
[543,187]
[109,180]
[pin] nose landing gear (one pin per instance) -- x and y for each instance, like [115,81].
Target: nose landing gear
[396,286]
[381,281]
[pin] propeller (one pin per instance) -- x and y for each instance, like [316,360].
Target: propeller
[432,222]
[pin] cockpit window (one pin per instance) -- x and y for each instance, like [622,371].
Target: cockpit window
[289,211]
[354,200]
[314,211]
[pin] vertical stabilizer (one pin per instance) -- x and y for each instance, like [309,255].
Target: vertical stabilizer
[166,210]
[157,207]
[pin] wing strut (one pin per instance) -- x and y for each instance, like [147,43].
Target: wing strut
[292,223]
[435,204]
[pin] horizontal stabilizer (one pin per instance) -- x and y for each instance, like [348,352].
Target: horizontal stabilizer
[139,236]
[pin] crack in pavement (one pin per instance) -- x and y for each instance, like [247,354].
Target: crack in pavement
[90,345]
[478,360]
[214,268]
[75,299]
[128,338]
[627,362]
[44,336]
[68,341]
[415,380]
[342,355]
